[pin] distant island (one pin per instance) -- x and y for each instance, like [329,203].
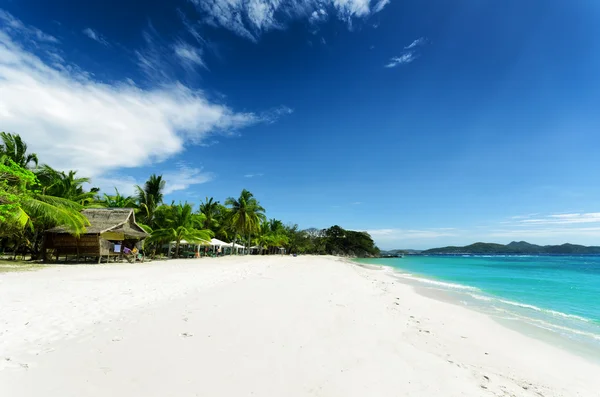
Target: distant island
[514,248]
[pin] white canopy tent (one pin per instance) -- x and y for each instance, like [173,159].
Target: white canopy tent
[237,247]
[215,242]
[185,243]
[214,245]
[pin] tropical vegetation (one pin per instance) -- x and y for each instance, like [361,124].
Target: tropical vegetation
[35,197]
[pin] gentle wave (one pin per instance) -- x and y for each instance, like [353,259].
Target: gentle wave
[481,298]
[532,307]
[437,283]
[539,309]
[550,326]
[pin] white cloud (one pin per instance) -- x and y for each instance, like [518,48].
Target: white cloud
[191,28]
[251,18]
[125,184]
[401,60]
[74,122]
[190,56]
[563,219]
[409,234]
[555,235]
[89,32]
[252,175]
[184,177]
[180,178]
[417,42]
[15,27]
[379,6]
[318,16]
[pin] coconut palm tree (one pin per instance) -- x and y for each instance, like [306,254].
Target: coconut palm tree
[118,201]
[246,214]
[25,211]
[179,222]
[66,185]
[211,211]
[150,197]
[13,147]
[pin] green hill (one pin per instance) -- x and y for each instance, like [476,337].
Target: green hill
[515,247]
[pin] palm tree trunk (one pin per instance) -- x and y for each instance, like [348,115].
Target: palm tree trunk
[17,246]
[177,248]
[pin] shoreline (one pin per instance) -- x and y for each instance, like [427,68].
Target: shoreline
[297,326]
[462,296]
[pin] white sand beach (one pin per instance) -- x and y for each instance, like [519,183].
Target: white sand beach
[260,326]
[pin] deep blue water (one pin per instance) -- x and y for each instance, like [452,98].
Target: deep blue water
[560,294]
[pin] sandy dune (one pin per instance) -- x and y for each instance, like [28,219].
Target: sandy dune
[260,326]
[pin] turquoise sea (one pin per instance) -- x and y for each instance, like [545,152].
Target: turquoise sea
[552,297]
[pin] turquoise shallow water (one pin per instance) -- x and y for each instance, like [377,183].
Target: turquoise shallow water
[556,294]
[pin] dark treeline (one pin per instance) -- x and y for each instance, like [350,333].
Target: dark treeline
[36,197]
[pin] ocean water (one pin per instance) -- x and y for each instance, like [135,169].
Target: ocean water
[557,295]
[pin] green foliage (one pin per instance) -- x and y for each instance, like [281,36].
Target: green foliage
[150,197]
[23,203]
[118,201]
[211,211]
[34,200]
[246,213]
[13,147]
[177,222]
[347,242]
[14,181]
[514,248]
[65,185]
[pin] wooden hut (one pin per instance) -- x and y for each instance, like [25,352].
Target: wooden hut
[110,230]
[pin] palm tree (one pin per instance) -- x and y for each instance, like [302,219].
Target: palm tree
[211,210]
[150,197]
[246,214]
[118,201]
[25,210]
[180,223]
[66,185]
[14,148]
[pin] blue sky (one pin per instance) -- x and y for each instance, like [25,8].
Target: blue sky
[426,123]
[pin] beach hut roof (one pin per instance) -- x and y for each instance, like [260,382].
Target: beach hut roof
[102,220]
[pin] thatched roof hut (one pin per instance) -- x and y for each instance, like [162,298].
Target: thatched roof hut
[108,227]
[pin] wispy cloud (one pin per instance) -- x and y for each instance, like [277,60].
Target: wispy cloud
[380,5]
[562,219]
[416,43]
[181,177]
[184,177]
[156,58]
[408,56]
[92,34]
[553,235]
[318,16]
[191,27]
[253,175]
[251,18]
[410,234]
[15,27]
[272,115]
[75,122]
[189,56]
[401,60]
[548,228]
